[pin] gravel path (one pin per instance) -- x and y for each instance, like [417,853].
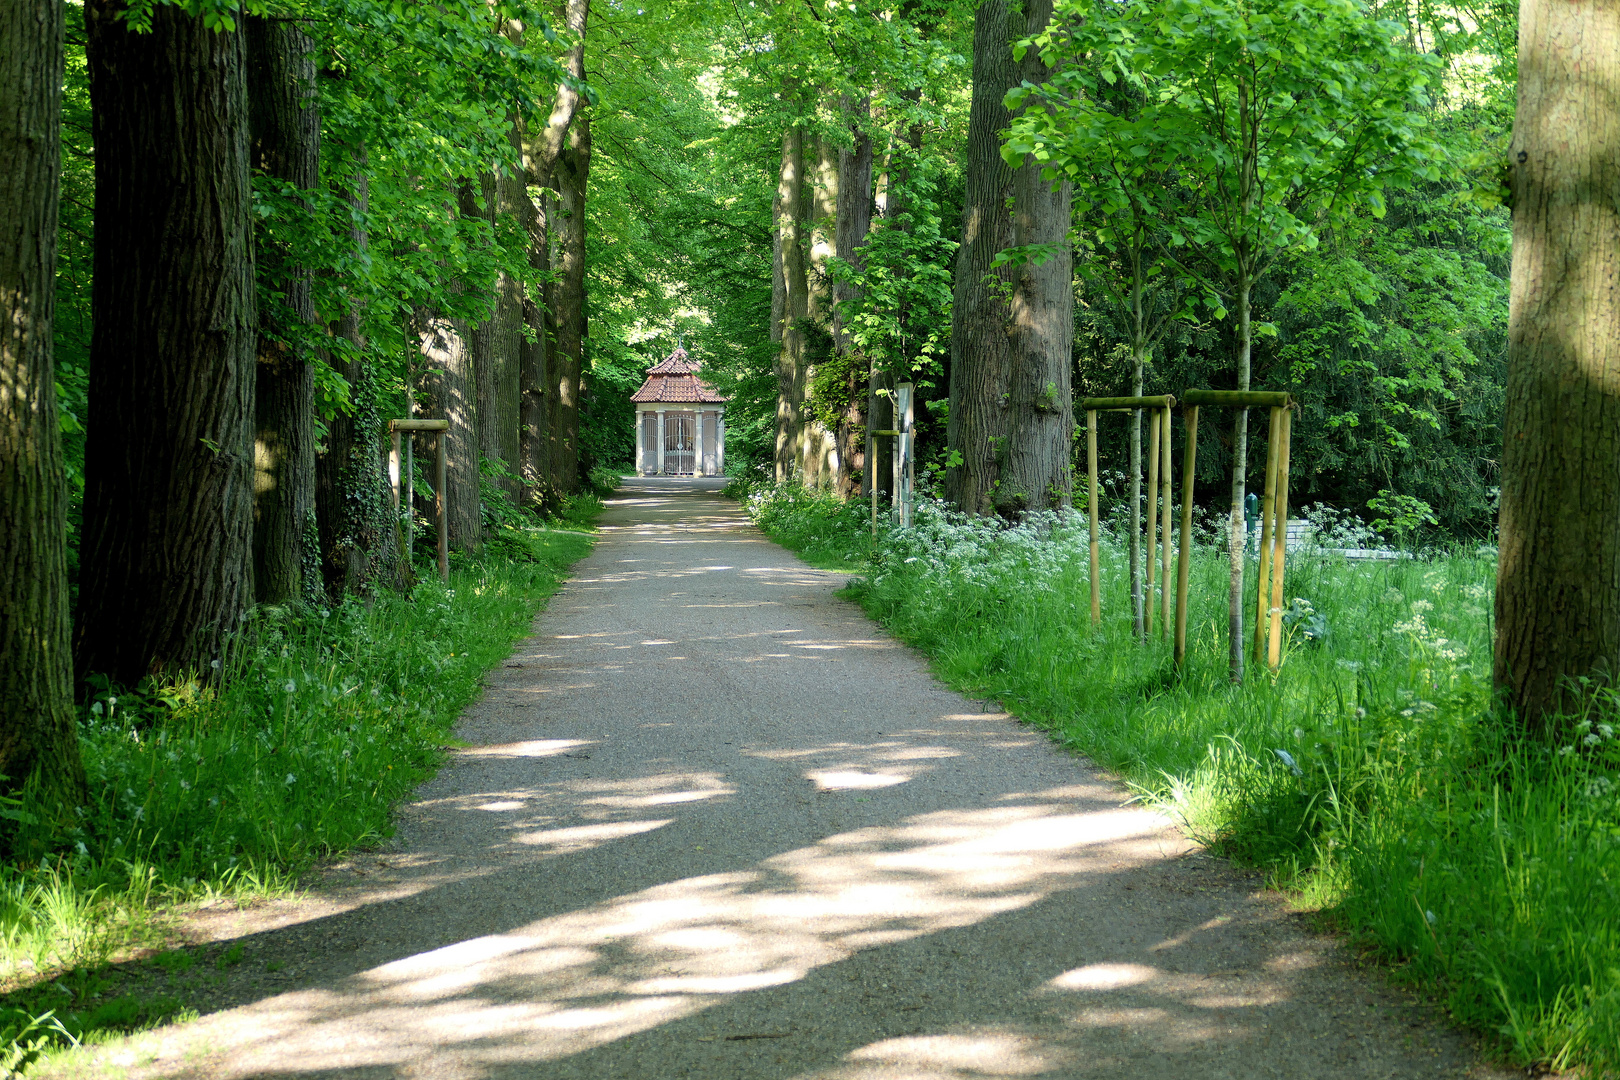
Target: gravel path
[714,823]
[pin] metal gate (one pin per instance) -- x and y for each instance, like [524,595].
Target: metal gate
[680,430]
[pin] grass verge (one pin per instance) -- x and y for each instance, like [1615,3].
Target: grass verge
[1371,776]
[328,719]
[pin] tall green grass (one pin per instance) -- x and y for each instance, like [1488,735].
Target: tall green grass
[324,719]
[1371,775]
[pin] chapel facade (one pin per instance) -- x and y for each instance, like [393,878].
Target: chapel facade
[680,421]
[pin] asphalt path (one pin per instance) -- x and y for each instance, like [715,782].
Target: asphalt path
[712,822]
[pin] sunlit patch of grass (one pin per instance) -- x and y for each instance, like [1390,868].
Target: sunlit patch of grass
[1371,776]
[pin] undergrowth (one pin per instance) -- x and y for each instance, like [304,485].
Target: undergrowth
[322,721]
[1371,776]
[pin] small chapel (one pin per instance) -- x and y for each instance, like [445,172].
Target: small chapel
[680,421]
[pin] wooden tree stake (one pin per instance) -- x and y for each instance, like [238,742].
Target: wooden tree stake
[1268,513]
[1184,564]
[441,505]
[1091,477]
[1274,655]
[1164,527]
[1152,518]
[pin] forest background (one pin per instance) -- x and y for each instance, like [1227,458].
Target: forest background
[1391,332]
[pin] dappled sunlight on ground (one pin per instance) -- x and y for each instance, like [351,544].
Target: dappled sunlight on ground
[563,984]
[710,824]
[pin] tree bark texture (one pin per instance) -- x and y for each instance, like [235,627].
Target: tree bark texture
[166,552]
[568,361]
[358,530]
[790,305]
[1012,329]
[495,341]
[38,732]
[818,448]
[1558,573]
[855,203]
[534,421]
[446,386]
[506,345]
[284,111]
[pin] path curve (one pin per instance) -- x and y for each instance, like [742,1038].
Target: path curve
[714,823]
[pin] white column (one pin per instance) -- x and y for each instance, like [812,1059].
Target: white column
[700,470]
[720,442]
[659,440]
[641,441]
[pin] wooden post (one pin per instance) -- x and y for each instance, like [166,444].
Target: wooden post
[1091,514]
[1153,519]
[1268,513]
[1184,564]
[393,487]
[440,428]
[903,470]
[1164,527]
[1274,653]
[410,501]
[441,505]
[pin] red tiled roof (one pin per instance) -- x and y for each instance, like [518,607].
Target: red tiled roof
[674,380]
[676,363]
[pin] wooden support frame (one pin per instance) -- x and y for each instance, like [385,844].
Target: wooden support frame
[1273,516]
[1160,408]
[440,429]
[904,468]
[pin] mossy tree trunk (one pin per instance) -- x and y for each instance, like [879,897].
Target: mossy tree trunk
[1012,328]
[286,124]
[38,735]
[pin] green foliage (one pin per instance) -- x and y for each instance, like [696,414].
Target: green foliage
[900,318]
[1277,119]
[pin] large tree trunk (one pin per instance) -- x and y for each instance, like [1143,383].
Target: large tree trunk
[1012,329]
[568,362]
[534,422]
[854,223]
[818,463]
[790,305]
[1558,574]
[495,342]
[166,554]
[358,530]
[506,344]
[286,126]
[543,147]
[446,387]
[38,734]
